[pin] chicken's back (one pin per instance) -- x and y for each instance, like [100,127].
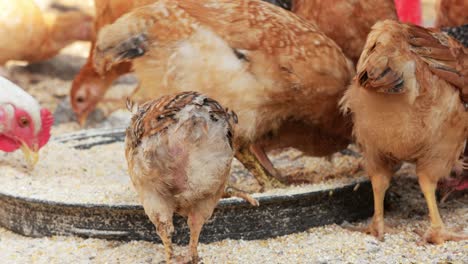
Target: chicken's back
[403,109]
[107,11]
[181,146]
[346,22]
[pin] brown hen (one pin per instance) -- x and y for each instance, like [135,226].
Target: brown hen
[346,22]
[451,13]
[271,67]
[179,152]
[406,103]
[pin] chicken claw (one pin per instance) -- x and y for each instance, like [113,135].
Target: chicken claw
[234,192]
[439,236]
[376,228]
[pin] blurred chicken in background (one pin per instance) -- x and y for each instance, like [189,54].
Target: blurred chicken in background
[30,34]
[346,22]
[88,85]
[451,13]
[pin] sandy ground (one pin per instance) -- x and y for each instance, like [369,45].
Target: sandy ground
[328,244]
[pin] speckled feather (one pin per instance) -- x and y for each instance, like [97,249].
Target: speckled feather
[443,55]
[346,22]
[157,115]
[272,66]
[459,33]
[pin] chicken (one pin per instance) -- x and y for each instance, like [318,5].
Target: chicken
[88,87]
[179,150]
[451,13]
[23,124]
[346,22]
[407,103]
[32,35]
[271,67]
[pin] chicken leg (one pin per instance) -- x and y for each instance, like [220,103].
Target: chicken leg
[160,212]
[195,222]
[380,180]
[251,163]
[380,183]
[197,217]
[165,230]
[436,233]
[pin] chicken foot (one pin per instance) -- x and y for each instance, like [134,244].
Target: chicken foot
[231,191]
[251,163]
[437,233]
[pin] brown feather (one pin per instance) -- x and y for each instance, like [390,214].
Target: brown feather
[346,22]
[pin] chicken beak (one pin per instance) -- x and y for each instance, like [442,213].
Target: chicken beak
[82,119]
[32,156]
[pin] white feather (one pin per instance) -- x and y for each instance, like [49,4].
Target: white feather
[10,93]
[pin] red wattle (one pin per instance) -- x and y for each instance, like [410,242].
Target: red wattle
[8,144]
[47,121]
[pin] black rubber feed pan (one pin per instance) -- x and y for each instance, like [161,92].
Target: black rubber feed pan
[233,219]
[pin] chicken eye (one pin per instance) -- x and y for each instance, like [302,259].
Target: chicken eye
[80,99]
[23,122]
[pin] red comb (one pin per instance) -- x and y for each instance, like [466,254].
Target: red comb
[47,120]
[409,11]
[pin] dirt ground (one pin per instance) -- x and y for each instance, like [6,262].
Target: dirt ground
[50,82]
